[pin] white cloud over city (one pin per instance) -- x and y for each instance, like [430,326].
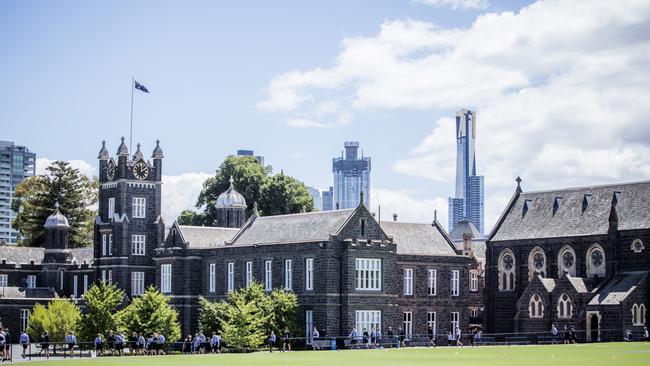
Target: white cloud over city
[561,90]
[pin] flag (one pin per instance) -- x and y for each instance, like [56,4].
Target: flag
[140,87]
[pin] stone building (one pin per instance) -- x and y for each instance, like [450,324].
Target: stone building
[574,257]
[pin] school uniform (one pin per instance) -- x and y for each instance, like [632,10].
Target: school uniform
[215,342]
[353,336]
[71,340]
[24,339]
[141,342]
[271,342]
[98,344]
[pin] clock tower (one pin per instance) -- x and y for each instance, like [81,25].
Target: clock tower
[129,226]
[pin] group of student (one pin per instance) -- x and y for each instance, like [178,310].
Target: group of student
[136,343]
[286,340]
[628,336]
[5,340]
[200,343]
[370,339]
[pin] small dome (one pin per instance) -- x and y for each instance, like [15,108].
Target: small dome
[231,198]
[464,227]
[138,153]
[103,153]
[57,219]
[157,152]
[122,150]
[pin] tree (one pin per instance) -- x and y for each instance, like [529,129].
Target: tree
[281,194]
[102,302]
[189,217]
[243,322]
[36,196]
[151,313]
[58,318]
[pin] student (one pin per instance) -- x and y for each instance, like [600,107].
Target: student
[573,335]
[553,333]
[71,340]
[141,344]
[314,335]
[450,339]
[472,337]
[215,343]
[187,345]
[98,345]
[202,342]
[110,340]
[477,337]
[402,338]
[151,348]
[353,336]
[458,335]
[271,341]
[161,343]
[119,344]
[432,336]
[196,343]
[7,343]
[45,344]
[133,343]
[390,335]
[366,338]
[374,336]
[628,336]
[24,341]
[3,342]
[646,335]
[286,340]
[567,335]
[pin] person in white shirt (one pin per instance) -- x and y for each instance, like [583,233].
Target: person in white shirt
[71,340]
[161,343]
[215,343]
[24,341]
[314,335]
[458,334]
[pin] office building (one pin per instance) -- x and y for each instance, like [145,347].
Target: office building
[315,198]
[16,164]
[327,197]
[351,177]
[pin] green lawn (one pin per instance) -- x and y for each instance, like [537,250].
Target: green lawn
[619,354]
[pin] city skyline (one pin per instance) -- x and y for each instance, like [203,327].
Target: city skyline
[555,110]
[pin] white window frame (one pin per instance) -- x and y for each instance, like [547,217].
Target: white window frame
[111,208]
[138,244]
[139,208]
[103,275]
[368,274]
[166,278]
[110,244]
[454,318]
[85,283]
[638,314]
[473,280]
[288,274]
[408,281]
[137,283]
[249,274]
[536,306]
[564,306]
[61,277]
[24,319]
[432,321]
[104,244]
[212,277]
[31,281]
[231,277]
[75,283]
[4,280]
[432,282]
[309,274]
[110,276]
[268,275]
[407,324]
[455,282]
[473,312]
[309,326]
[367,319]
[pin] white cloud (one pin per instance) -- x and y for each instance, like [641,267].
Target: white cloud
[561,90]
[408,209]
[305,123]
[179,192]
[456,4]
[84,168]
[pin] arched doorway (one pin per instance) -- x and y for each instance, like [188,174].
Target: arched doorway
[593,326]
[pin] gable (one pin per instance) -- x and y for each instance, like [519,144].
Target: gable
[362,225]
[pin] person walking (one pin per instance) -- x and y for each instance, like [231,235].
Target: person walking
[286,340]
[161,344]
[271,341]
[458,336]
[314,336]
[133,343]
[567,335]
[3,342]
[71,340]
[98,344]
[24,341]
[432,336]
[110,340]
[401,337]
[119,344]
[45,344]
[646,335]
[353,336]
[140,344]
[366,338]
[7,344]
[215,343]
[553,333]
[450,339]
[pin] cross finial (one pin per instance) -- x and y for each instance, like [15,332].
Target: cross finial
[122,138]
[103,143]
[157,142]
[361,197]
[138,145]
[231,180]
[518,180]
[56,205]
[435,215]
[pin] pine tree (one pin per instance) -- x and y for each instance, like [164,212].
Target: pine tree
[151,313]
[36,196]
[102,302]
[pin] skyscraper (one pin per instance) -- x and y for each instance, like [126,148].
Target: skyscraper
[315,198]
[351,177]
[259,158]
[327,199]
[468,199]
[16,164]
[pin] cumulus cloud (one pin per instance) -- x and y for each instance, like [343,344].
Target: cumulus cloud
[305,123]
[560,88]
[406,207]
[179,192]
[456,4]
[83,166]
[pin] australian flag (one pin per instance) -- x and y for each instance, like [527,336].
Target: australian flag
[140,87]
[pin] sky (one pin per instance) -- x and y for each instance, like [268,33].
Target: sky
[561,90]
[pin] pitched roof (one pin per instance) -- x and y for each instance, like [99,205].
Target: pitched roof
[549,283]
[23,255]
[579,284]
[464,227]
[618,288]
[205,236]
[533,215]
[293,228]
[13,292]
[424,239]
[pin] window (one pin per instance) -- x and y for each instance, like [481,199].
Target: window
[24,319]
[309,326]
[103,275]
[75,283]
[408,281]
[4,280]
[455,277]
[473,312]
[368,274]
[432,283]
[367,319]
[637,246]
[638,314]
[231,276]
[473,280]
[104,244]
[566,261]
[288,275]
[110,244]
[137,283]
[363,227]
[31,281]
[507,271]
[407,324]
[61,279]
[595,261]
[268,276]
[85,283]
[536,263]
[309,274]
[455,321]
[166,278]
[111,207]
[110,276]
[249,274]
[213,277]
[431,322]
[137,244]
[139,208]
[564,307]
[536,306]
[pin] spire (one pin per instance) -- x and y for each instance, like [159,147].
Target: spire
[255,210]
[103,153]
[157,152]
[361,194]
[138,153]
[518,180]
[122,150]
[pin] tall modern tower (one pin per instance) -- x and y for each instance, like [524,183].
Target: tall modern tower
[468,200]
[327,199]
[315,198]
[351,177]
[16,164]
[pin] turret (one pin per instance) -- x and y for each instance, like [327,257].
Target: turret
[56,238]
[122,157]
[231,208]
[157,157]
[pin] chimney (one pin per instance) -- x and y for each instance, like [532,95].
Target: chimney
[467,244]
[337,205]
[395,216]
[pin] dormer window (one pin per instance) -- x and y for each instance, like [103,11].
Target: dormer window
[586,200]
[527,205]
[556,204]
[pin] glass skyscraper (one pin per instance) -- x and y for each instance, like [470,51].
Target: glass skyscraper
[315,198]
[468,199]
[351,177]
[16,164]
[327,199]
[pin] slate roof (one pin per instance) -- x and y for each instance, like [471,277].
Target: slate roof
[549,283]
[618,288]
[540,221]
[23,255]
[15,293]
[462,227]
[293,228]
[579,284]
[206,237]
[423,239]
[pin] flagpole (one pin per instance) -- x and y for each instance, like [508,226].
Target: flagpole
[131,130]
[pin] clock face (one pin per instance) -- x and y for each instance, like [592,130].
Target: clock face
[596,258]
[110,172]
[567,259]
[140,171]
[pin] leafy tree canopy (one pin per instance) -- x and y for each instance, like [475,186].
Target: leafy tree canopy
[151,313]
[57,318]
[102,302]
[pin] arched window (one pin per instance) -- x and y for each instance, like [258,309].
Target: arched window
[566,261]
[507,270]
[536,263]
[564,307]
[595,261]
[637,246]
[638,314]
[536,306]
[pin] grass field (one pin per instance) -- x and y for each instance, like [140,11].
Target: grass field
[622,354]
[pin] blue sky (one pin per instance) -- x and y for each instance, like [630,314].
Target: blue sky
[211,68]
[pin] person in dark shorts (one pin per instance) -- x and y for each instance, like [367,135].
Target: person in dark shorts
[366,338]
[7,343]
[567,335]
[110,341]
[432,336]
[24,341]
[353,336]
[98,342]
[141,344]
[45,344]
[133,340]
[286,340]
[271,341]
[71,340]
